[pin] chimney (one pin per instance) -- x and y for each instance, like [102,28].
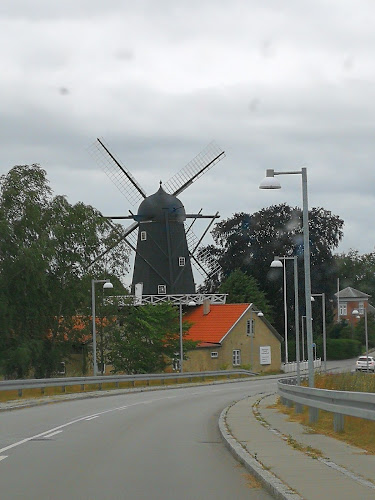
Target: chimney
[206,306]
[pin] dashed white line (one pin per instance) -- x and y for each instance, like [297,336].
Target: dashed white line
[3,457]
[51,434]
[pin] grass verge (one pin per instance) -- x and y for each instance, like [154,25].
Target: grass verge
[357,431]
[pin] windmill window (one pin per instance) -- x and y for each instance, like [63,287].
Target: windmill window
[181,261]
[143,236]
[214,354]
[162,289]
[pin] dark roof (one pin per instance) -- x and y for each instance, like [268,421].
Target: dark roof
[155,206]
[351,293]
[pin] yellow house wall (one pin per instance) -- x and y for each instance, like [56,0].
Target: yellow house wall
[200,359]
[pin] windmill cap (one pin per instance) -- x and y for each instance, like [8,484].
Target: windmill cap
[154,208]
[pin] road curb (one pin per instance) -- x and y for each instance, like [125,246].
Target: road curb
[271,483]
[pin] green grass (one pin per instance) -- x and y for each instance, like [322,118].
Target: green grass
[357,431]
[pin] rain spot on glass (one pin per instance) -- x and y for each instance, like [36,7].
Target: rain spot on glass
[64,91]
[124,54]
[254,105]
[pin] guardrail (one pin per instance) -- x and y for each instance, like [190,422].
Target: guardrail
[20,385]
[303,365]
[340,403]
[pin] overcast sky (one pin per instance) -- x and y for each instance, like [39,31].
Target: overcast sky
[277,84]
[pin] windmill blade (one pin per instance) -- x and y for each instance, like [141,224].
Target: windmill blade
[206,159]
[205,264]
[123,237]
[118,174]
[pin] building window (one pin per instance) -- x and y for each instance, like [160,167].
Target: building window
[250,328]
[214,354]
[343,309]
[162,289]
[143,236]
[181,261]
[236,357]
[361,308]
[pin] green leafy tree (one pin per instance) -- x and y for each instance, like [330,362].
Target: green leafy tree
[249,242]
[357,271]
[147,340]
[243,288]
[46,247]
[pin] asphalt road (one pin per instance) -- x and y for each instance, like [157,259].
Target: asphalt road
[162,444]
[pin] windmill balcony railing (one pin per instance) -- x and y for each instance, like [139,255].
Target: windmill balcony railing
[198,298]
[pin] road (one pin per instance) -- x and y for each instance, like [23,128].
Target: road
[161,444]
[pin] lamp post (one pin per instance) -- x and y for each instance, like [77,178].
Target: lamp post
[355,312]
[269,182]
[276,263]
[191,304]
[252,333]
[323,295]
[303,336]
[107,284]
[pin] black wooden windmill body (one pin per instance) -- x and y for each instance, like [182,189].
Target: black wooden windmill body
[165,249]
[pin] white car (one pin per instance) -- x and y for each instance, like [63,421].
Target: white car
[361,364]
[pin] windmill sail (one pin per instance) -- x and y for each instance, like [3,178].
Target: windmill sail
[204,263]
[206,159]
[119,175]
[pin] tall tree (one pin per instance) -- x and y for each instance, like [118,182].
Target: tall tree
[46,245]
[357,271]
[250,241]
[147,340]
[243,288]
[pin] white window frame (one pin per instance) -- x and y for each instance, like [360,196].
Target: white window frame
[250,330]
[343,309]
[181,261]
[162,289]
[214,354]
[361,308]
[236,357]
[143,235]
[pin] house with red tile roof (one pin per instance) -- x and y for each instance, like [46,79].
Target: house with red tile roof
[231,336]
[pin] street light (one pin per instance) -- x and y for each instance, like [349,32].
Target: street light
[107,284]
[355,312]
[269,182]
[190,304]
[323,295]
[252,332]
[277,263]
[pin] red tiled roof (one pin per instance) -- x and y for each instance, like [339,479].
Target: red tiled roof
[212,327]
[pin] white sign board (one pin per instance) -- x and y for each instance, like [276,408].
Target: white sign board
[265,354]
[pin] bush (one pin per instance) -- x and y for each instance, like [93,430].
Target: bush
[343,348]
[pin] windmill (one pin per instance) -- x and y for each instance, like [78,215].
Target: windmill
[165,246]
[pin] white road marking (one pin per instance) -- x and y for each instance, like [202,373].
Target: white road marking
[51,434]
[3,457]
[92,418]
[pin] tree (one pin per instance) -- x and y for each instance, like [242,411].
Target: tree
[148,339]
[243,288]
[249,242]
[357,271]
[46,247]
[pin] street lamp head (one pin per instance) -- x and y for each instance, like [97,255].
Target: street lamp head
[260,314]
[108,285]
[269,182]
[355,312]
[191,303]
[276,263]
[312,299]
